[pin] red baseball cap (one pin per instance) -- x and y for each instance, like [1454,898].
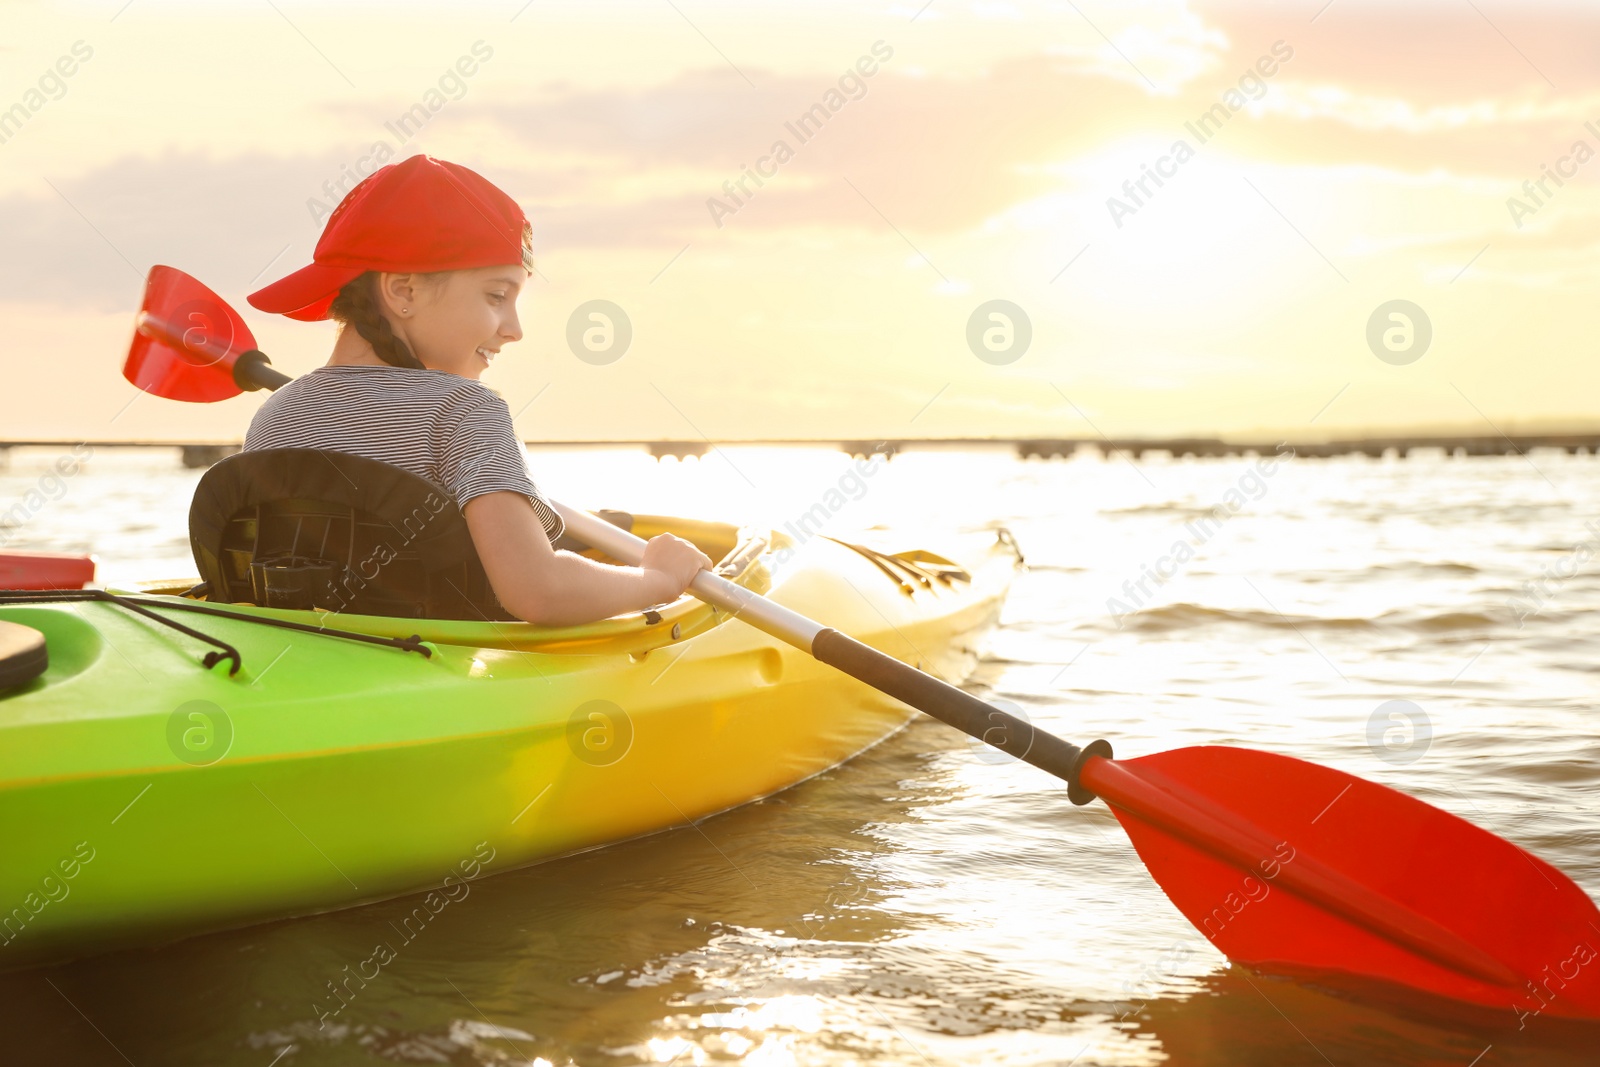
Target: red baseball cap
[421,214]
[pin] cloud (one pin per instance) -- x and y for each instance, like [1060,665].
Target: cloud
[87,243]
[935,154]
[932,155]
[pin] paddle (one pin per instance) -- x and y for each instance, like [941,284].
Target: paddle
[1286,866]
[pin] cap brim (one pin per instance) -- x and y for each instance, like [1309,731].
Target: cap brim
[305,294]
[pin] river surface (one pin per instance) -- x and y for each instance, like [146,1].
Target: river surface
[924,904]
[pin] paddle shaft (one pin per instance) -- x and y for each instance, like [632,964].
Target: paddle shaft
[884,673]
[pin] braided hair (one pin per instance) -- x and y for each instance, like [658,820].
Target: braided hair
[357,305]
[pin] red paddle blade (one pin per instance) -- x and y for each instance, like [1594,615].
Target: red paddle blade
[1297,869]
[185,341]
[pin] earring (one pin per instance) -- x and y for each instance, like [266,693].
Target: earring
[405,311]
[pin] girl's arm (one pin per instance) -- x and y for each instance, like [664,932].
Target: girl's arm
[536,583]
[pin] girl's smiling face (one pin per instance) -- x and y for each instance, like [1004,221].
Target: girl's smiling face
[456,321]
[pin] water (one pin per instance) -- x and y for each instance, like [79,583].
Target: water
[923,905]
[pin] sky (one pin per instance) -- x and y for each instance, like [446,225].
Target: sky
[1353,217]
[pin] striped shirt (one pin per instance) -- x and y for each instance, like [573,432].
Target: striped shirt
[452,430]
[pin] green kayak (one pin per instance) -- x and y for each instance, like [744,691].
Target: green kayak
[327,760]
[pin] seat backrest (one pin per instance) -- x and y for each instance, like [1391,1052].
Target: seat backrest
[303,528]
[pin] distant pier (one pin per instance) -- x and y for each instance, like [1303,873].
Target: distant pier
[1375,447]
[201,454]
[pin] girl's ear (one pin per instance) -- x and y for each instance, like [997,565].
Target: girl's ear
[396,291]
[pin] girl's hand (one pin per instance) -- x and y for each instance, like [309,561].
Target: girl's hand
[671,563]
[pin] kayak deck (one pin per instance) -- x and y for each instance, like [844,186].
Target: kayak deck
[328,773]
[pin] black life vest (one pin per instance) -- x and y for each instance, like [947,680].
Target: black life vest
[308,528]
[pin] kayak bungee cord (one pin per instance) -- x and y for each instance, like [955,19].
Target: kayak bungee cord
[921,571]
[210,660]
[413,643]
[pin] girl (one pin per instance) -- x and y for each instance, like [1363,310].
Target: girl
[421,264]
